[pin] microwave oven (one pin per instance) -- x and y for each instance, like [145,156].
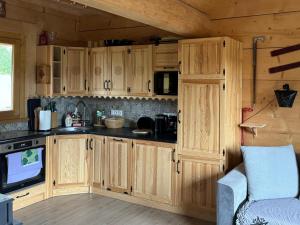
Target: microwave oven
[166,82]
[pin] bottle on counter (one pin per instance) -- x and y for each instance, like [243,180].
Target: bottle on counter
[68,120]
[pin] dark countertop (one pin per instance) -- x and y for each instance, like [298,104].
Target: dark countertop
[11,136]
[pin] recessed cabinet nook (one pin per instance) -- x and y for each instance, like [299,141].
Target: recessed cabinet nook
[179,177]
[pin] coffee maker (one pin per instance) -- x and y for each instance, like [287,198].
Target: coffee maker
[166,123]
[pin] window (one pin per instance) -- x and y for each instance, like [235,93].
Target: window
[11,79]
[6,77]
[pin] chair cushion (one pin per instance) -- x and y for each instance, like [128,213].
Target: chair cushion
[284,211]
[271,172]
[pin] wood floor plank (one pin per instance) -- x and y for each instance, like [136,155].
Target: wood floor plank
[89,209]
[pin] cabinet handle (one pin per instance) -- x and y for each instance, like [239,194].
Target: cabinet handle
[104,85]
[177,167]
[178,116]
[85,84]
[128,89]
[179,67]
[116,139]
[91,146]
[173,155]
[149,82]
[21,196]
[87,144]
[64,88]
[109,82]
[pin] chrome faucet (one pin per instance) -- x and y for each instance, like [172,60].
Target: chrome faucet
[84,112]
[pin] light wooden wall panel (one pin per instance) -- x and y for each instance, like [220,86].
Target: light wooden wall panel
[280,30]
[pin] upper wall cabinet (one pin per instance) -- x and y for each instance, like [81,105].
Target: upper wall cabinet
[117,82]
[76,83]
[99,71]
[165,57]
[202,58]
[51,70]
[139,62]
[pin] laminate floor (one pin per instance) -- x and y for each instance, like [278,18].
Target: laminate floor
[89,209]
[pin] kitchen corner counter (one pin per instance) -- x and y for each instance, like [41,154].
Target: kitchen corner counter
[13,136]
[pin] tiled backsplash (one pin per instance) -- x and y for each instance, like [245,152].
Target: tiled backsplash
[132,109]
[13,126]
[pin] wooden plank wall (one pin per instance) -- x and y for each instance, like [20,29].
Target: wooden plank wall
[28,20]
[280,28]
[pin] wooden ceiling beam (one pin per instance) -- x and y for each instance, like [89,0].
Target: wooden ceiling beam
[171,15]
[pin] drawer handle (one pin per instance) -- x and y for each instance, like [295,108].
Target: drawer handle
[177,167]
[21,196]
[109,87]
[116,139]
[104,85]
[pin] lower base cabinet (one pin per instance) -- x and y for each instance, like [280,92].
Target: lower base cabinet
[117,165]
[154,171]
[70,160]
[196,183]
[28,196]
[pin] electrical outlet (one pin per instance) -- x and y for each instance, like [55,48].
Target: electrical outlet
[115,112]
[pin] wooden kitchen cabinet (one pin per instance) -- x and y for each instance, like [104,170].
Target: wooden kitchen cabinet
[51,70]
[210,109]
[70,160]
[196,184]
[165,57]
[99,71]
[97,162]
[202,58]
[139,62]
[118,165]
[200,117]
[117,82]
[76,82]
[154,171]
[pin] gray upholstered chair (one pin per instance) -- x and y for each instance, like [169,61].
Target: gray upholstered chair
[232,193]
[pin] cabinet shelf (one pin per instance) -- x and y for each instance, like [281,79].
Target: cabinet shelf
[253,127]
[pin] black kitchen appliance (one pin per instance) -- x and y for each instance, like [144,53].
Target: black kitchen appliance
[166,82]
[32,104]
[13,176]
[166,123]
[145,125]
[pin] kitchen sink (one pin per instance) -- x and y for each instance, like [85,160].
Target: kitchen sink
[74,129]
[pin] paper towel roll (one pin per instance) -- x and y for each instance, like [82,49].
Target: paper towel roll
[45,120]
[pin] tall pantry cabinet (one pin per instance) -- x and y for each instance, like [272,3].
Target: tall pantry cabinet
[209,114]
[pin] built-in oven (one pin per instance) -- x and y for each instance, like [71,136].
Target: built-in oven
[22,164]
[166,82]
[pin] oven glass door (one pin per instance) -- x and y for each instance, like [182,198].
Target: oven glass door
[22,168]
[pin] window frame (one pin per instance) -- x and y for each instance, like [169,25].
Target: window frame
[17,112]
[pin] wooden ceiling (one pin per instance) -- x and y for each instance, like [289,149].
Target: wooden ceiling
[144,18]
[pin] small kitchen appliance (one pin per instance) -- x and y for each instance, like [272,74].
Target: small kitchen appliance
[165,123]
[166,82]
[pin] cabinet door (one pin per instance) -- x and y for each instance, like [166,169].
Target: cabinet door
[153,171]
[200,118]
[202,57]
[70,165]
[117,85]
[165,57]
[97,162]
[99,73]
[118,158]
[139,80]
[76,71]
[196,183]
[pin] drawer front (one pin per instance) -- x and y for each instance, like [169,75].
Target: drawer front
[28,196]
